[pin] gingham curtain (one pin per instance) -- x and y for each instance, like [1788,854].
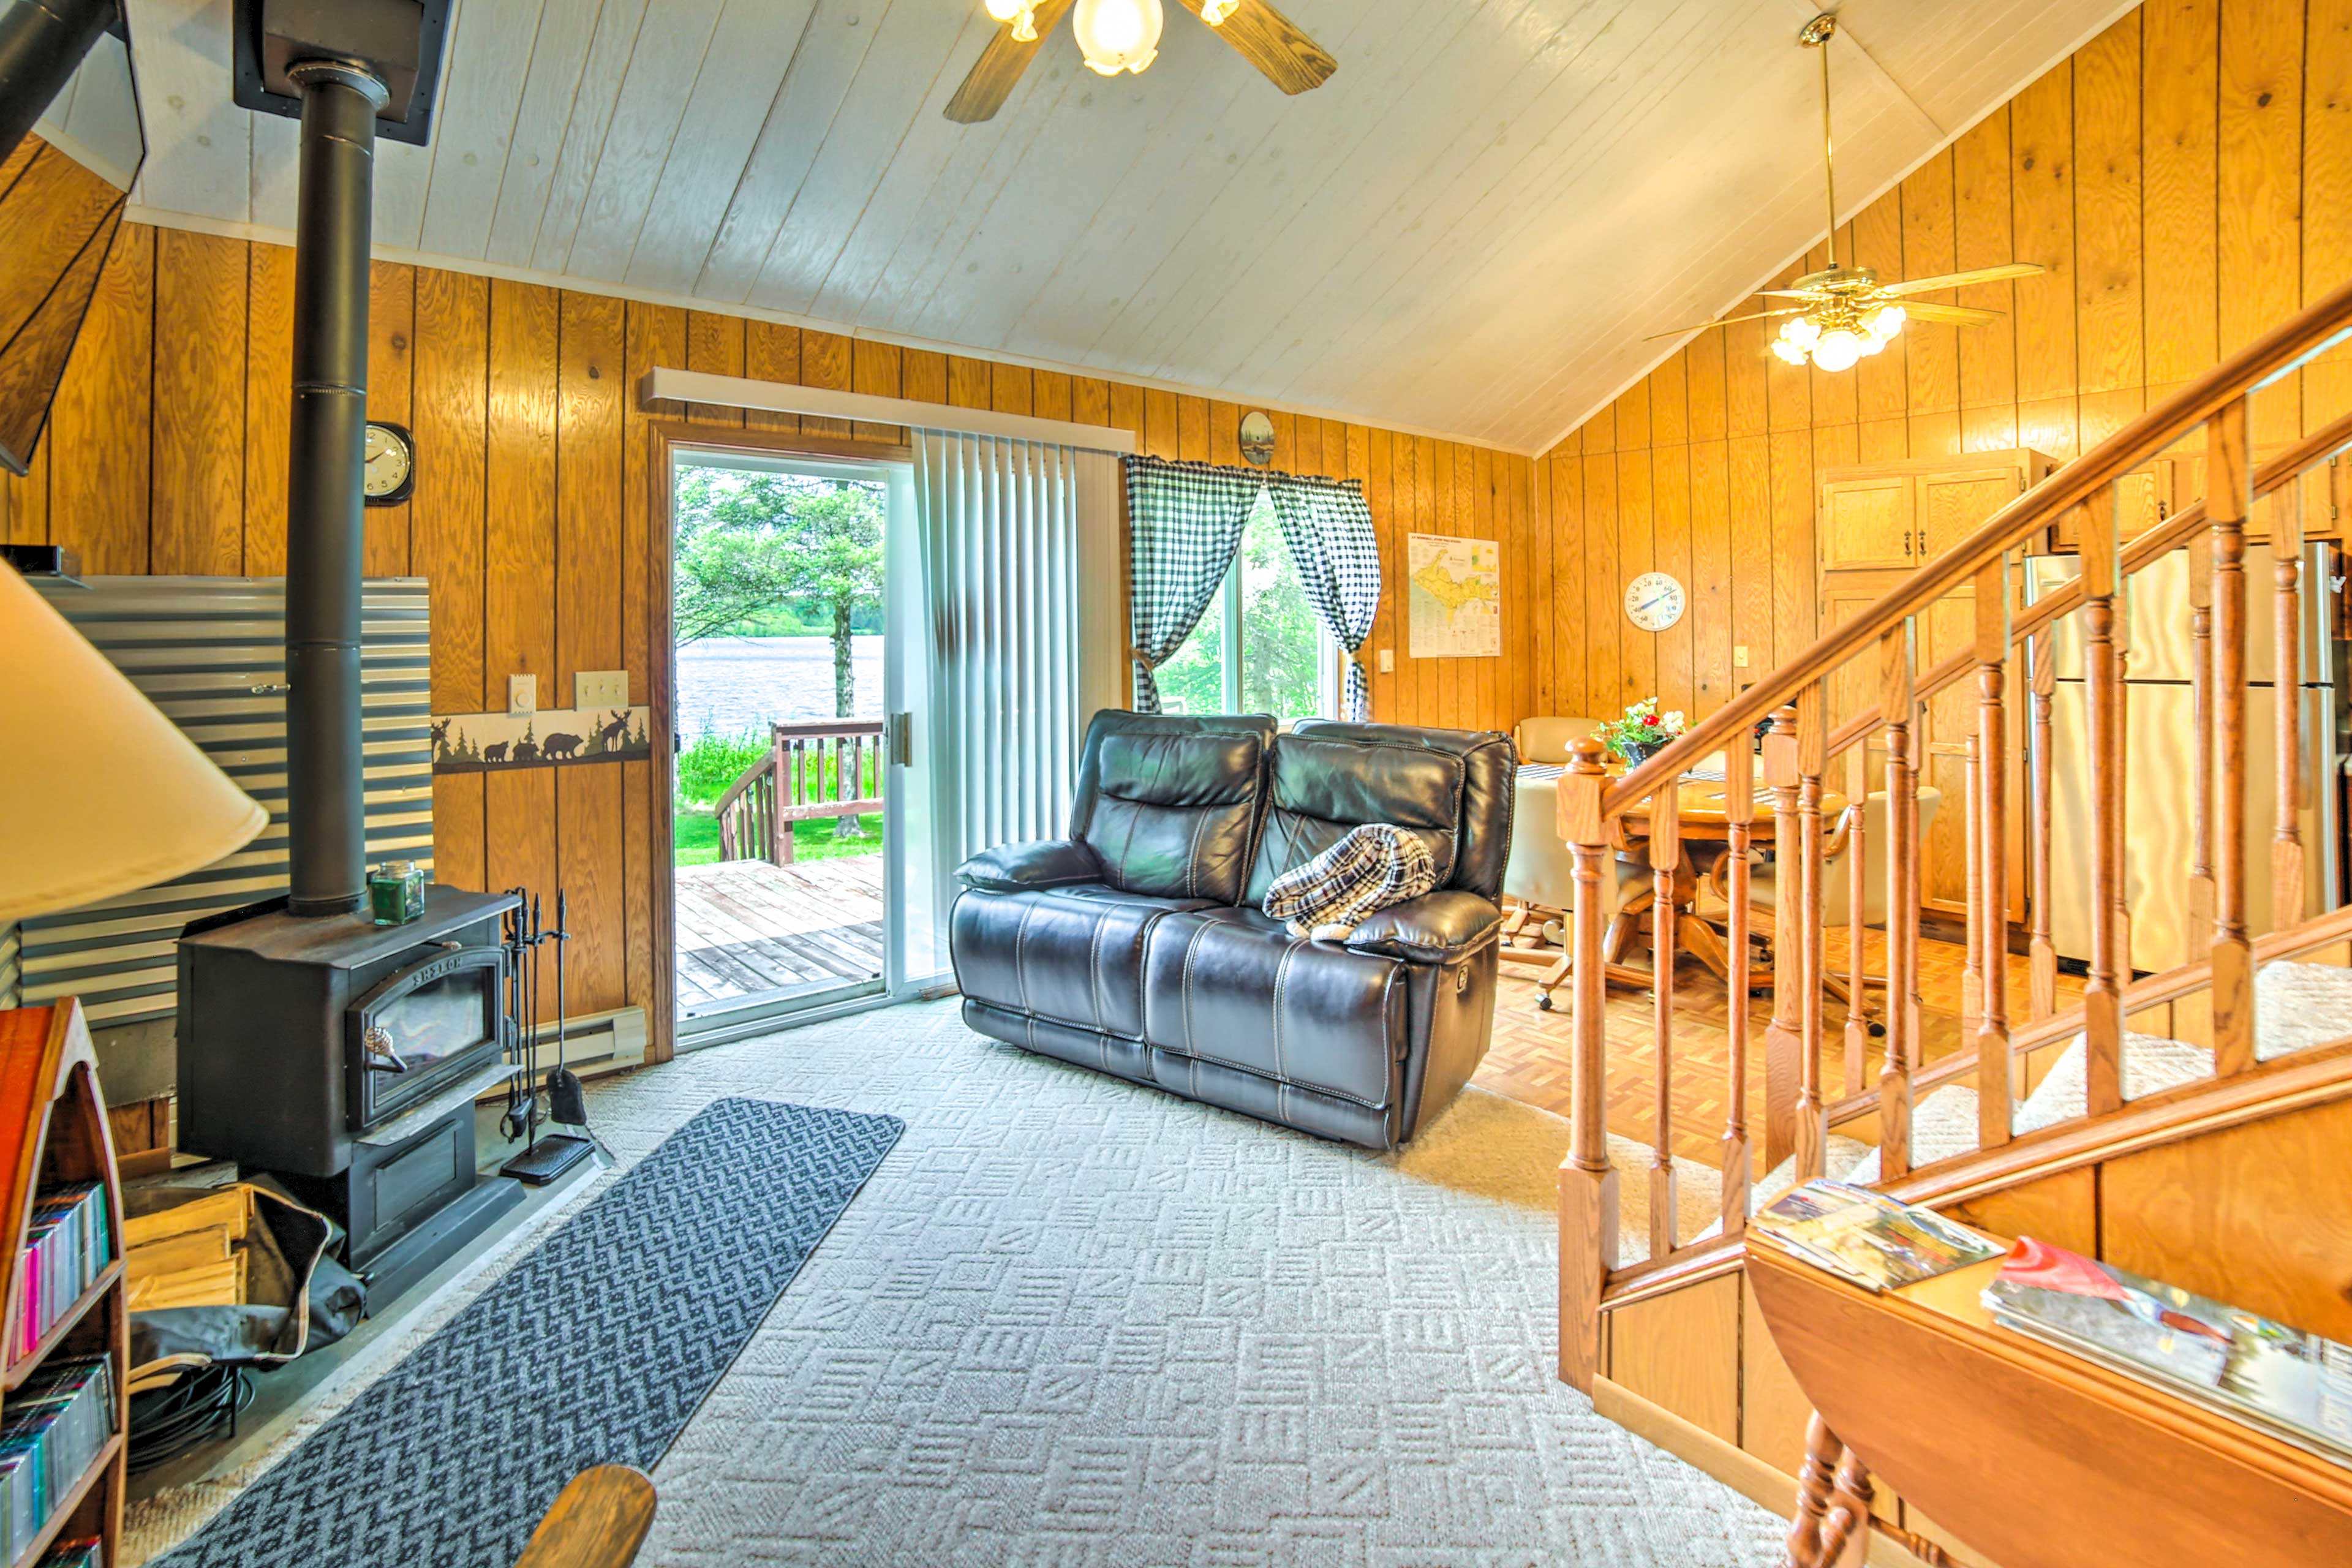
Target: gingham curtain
[1329,528]
[1185,523]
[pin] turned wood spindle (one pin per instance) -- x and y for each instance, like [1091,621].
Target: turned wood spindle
[1587,1183]
[1666,862]
[2286,835]
[1783,1038]
[1740,812]
[1897,707]
[1857,918]
[1988,911]
[1812,761]
[2042,952]
[2200,924]
[2229,498]
[2102,687]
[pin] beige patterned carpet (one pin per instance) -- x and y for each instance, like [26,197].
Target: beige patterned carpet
[1074,1321]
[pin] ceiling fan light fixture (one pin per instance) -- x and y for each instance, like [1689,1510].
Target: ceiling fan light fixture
[1215,12]
[1837,349]
[1801,331]
[1789,349]
[1886,321]
[1005,10]
[1118,36]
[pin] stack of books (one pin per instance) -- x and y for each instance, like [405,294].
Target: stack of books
[67,1249]
[55,1427]
[86,1554]
[1867,1237]
[2294,1385]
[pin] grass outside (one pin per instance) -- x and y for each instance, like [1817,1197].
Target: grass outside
[709,765]
[698,839]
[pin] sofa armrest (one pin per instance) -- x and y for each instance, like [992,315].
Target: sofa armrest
[1436,928]
[1041,863]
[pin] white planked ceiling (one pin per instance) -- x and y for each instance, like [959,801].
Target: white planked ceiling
[1468,231]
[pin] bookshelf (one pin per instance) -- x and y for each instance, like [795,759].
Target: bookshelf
[53,1131]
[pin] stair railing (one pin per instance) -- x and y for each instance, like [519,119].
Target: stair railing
[813,769]
[1599,816]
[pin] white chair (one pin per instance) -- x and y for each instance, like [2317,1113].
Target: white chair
[1549,740]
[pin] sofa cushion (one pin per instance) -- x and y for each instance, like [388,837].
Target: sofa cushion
[1039,863]
[1173,814]
[1436,928]
[1321,787]
[1231,986]
[1071,954]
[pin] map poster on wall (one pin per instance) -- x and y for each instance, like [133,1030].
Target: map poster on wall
[1455,597]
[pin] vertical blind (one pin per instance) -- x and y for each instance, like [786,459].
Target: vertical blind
[999,526]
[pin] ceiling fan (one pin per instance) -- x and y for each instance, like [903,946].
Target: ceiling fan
[1847,313]
[1124,36]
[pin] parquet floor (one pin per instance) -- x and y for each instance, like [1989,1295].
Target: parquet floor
[1529,1060]
[745,927]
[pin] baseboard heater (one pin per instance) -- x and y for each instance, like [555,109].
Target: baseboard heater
[594,1044]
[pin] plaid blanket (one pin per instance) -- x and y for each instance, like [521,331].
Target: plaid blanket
[1374,867]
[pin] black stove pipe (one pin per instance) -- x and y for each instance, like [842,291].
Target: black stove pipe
[326,835]
[42,43]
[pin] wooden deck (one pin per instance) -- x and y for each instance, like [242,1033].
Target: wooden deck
[745,927]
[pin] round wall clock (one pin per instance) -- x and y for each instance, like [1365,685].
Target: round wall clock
[1653,601]
[391,465]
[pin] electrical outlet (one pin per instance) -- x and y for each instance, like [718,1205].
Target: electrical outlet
[600,689]
[522,695]
[1388,661]
[1740,656]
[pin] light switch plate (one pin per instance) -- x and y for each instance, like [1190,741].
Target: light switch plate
[522,695]
[1740,656]
[600,689]
[1388,661]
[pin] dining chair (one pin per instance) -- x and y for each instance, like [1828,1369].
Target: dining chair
[1837,900]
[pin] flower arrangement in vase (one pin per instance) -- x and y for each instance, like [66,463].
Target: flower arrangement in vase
[1642,733]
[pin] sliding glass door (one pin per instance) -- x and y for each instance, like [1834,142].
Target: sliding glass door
[796,681]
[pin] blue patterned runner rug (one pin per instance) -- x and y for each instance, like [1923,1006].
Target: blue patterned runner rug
[595,1349]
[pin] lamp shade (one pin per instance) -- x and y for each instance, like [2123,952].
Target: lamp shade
[99,793]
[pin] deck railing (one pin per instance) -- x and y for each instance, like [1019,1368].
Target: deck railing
[2011,655]
[820,768]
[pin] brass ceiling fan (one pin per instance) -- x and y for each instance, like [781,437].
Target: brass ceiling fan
[1124,36]
[1847,312]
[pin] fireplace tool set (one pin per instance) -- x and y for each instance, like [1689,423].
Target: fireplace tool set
[543,1158]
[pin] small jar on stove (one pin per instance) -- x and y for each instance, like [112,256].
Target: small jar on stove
[396,892]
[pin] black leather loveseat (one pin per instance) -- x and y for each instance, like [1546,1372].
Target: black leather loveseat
[1137,945]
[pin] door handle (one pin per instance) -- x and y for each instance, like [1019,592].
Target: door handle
[898,739]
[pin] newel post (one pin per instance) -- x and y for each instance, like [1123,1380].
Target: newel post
[1587,1185]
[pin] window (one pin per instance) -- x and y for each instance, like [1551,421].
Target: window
[1289,666]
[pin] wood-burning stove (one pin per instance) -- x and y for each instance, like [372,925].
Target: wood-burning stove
[338,1054]
[344,1058]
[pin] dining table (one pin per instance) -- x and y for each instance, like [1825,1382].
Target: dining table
[1704,833]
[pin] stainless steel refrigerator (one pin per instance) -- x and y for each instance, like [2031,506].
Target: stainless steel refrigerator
[2160,725]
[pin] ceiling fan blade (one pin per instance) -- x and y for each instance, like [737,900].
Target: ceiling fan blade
[1728,321]
[1951,315]
[1272,42]
[1000,66]
[1962,280]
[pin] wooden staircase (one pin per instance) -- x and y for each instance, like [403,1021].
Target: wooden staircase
[2193,1125]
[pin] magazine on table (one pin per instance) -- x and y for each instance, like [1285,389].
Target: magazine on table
[1868,1238]
[2294,1385]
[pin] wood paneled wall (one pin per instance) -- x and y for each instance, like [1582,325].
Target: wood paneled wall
[2187,176]
[530,514]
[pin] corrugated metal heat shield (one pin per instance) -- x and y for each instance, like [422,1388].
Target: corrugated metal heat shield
[211,653]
